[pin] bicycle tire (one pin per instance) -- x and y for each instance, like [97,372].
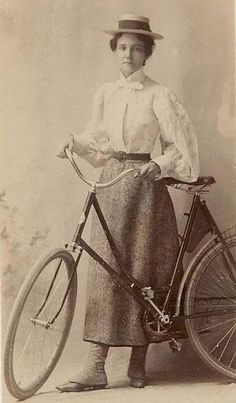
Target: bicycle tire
[212,292]
[27,369]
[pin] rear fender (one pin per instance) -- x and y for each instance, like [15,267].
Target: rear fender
[188,272]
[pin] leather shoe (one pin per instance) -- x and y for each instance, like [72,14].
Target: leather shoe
[138,382]
[78,387]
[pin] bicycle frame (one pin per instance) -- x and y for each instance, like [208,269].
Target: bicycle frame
[208,318]
[125,280]
[198,204]
[144,295]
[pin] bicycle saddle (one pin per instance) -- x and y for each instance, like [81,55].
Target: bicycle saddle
[202,180]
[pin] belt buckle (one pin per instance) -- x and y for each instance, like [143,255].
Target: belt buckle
[120,155]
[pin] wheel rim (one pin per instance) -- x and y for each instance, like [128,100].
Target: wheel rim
[37,345]
[214,295]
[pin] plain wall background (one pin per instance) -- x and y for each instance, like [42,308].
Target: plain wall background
[54,56]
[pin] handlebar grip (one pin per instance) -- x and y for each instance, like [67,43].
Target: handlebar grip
[76,168]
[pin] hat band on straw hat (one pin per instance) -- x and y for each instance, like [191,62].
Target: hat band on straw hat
[131,24]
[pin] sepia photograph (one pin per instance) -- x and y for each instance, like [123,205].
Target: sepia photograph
[118,201]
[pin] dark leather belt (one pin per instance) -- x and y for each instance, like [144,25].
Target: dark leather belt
[123,156]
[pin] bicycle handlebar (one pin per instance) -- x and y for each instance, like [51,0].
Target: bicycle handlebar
[97,184]
[201,181]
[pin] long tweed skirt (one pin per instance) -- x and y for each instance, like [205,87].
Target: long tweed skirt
[142,221]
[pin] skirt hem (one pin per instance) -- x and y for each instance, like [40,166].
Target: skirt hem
[115,345]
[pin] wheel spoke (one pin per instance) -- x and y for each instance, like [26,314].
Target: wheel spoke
[227,343]
[216,325]
[33,345]
[222,339]
[217,288]
[211,307]
[24,348]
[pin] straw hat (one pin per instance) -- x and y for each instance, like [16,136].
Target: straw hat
[134,24]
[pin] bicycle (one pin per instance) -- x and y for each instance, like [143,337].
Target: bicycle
[206,300]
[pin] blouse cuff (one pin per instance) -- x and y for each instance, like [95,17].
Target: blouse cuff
[165,163]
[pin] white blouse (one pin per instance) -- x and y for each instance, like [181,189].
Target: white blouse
[138,115]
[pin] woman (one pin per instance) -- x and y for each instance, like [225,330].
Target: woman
[132,118]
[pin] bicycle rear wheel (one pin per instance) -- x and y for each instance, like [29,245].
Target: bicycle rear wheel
[211,301]
[33,345]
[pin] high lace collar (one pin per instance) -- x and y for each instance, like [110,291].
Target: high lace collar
[137,76]
[134,81]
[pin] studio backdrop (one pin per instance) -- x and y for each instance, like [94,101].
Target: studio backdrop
[54,55]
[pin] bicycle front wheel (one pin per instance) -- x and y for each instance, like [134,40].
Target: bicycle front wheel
[35,341]
[211,303]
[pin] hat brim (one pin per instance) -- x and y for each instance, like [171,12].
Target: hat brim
[134,31]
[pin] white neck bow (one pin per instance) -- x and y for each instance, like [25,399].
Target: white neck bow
[136,85]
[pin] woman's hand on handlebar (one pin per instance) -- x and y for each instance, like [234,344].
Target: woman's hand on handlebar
[150,171]
[68,144]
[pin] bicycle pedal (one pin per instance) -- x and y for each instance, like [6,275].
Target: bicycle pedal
[175,346]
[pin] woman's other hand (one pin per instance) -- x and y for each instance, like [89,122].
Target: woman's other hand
[150,171]
[68,144]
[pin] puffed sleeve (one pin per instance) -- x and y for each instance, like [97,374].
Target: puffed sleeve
[93,144]
[179,157]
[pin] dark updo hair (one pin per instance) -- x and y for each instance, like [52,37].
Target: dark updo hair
[148,42]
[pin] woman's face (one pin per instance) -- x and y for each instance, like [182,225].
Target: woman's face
[130,54]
